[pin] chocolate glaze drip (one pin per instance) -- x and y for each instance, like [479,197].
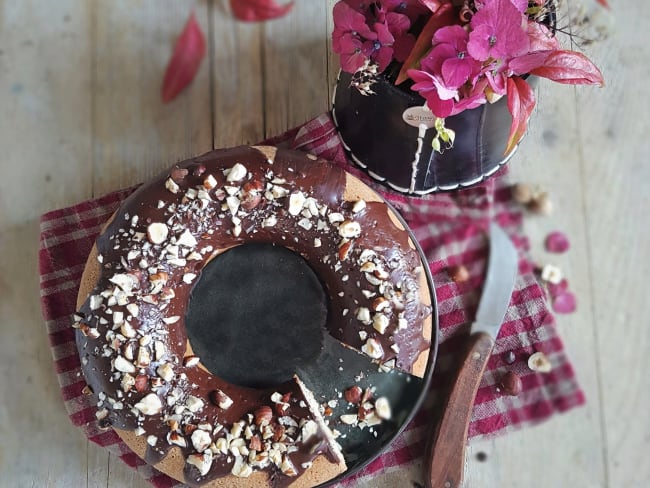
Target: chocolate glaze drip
[132,337]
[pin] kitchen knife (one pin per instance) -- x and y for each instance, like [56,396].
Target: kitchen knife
[445,457]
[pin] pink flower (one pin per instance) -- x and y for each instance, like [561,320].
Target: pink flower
[369,31]
[497,79]
[498,31]
[448,75]
[443,101]
[439,99]
[471,96]
[381,49]
[449,57]
[466,65]
[350,49]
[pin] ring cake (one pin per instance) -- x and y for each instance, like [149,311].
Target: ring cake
[136,290]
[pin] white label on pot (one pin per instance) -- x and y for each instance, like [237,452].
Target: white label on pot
[417,116]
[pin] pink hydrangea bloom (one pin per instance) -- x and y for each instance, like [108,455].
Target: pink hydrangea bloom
[381,49]
[371,31]
[498,32]
[443,101]
[449,57]
[350,49]
[440,99]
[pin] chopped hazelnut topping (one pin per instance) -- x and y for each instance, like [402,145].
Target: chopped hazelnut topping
[150,404]
[237,173]
[201,440]
[349,229]
[380,322]
[165,371]
[358,206]
[123,365]
[172,186]
[373,349]
[157,232]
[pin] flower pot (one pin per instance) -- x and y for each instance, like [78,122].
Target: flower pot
[389,134]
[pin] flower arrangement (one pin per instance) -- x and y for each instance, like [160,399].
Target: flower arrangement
[458,54]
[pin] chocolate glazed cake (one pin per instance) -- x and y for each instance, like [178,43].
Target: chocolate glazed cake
[218,281]
[389,135]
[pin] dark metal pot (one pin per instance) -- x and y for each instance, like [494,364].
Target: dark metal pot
[381,134]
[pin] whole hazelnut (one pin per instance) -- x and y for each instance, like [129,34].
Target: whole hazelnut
[353,394]
[141,382]
[510,384]
[522,193]
[541,204]
[458,273]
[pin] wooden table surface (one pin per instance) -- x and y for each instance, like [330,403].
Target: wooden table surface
[80,115]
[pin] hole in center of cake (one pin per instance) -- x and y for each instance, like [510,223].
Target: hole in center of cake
[256,315]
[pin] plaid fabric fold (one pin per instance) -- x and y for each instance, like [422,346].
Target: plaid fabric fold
[451,230]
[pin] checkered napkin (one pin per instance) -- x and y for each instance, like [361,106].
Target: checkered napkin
[451,230]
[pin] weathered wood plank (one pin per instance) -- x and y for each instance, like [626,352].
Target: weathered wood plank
[295,67]
[333,64]
[136,135]
[614,140]
[98,463]
[237,72]
[45,95]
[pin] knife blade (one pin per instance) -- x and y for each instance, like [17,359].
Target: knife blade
[445,456]
[499,283]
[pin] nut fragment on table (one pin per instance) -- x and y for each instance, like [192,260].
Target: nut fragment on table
[522,193]
[539,362]
[509,357]
[552,274]
[458,273]
[541,204]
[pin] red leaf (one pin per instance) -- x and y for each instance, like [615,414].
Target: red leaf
[565,303]
[184,63]
[521,102]
[524,64]
[569,67]
[443,16]
[557,242]
[257,10]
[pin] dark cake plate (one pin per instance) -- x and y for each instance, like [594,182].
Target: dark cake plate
[389,135]
[256,316]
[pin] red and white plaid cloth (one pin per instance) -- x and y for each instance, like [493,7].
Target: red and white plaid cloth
[450,228]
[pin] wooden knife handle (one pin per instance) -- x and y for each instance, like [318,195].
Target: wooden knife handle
[446,456]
